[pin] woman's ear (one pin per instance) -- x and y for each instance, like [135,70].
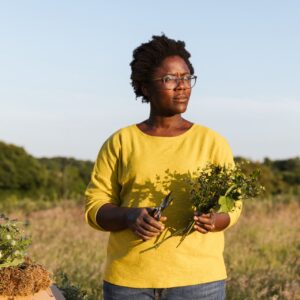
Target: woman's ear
[145,90]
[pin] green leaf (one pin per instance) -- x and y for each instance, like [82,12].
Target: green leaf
[15,262]
[226,204]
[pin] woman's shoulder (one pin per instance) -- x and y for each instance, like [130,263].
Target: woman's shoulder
[220,148]
[116,141]
[123,132]
[206,131]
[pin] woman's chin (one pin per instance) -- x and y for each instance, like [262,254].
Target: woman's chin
[181,107]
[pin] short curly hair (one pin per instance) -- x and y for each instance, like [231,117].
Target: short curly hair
[149,56]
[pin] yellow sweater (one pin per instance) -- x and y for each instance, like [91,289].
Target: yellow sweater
[134,169]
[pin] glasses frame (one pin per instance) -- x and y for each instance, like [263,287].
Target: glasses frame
[178,79]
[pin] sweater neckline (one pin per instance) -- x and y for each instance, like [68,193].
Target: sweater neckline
[184,134]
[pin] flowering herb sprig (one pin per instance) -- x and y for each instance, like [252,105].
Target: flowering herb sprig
[13,243]
[215,188]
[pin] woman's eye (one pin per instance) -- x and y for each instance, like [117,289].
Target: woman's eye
[168,78]
[187,77]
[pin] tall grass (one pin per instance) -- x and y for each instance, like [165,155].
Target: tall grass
[261,253]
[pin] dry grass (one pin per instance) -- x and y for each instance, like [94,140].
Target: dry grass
[62,241]
[262,250]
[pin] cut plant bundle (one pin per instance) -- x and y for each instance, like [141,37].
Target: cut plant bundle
[215,188]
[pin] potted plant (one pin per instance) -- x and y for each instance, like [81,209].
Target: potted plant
[20,278]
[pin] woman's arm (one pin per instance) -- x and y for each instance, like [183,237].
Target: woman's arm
[114,218]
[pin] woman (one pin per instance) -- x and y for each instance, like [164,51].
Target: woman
[137,167]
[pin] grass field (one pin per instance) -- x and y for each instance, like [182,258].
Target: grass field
[262,251]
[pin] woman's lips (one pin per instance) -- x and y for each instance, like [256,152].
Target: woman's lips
[181,99]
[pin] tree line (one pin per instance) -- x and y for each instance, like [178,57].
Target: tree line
[23,175]
[48,178]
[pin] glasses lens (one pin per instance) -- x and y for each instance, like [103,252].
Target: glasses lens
[193,81]
[171,82]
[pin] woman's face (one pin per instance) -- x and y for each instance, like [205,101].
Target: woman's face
[169,102]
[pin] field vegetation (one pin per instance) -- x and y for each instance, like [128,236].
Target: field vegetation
[262,251]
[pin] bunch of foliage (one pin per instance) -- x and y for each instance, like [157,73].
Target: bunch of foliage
[216,188]
[13,243]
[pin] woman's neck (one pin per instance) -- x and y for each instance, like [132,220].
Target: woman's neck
[163,122]
[165,126]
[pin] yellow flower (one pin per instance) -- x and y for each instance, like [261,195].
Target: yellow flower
[8,237]
[13,242]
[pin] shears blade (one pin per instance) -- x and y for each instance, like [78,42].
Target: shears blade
[164,204]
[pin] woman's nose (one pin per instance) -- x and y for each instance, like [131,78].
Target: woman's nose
[180,84]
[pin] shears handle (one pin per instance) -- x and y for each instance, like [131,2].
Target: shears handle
[156,213]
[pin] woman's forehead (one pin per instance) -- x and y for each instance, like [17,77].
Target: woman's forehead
[172,65]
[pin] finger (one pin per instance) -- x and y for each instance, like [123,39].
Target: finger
[209,227]
[163,219]
[150,228]
[146,233]
[200,225]
[143,237]
[154,223]
[205,219]
[205,215]
[196,213]
[200,229]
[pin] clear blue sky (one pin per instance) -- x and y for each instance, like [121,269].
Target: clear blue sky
[64,71]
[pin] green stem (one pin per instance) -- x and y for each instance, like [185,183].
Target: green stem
[186,231]
[230,189]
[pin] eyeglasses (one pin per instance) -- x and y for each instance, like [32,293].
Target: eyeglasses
[170,82]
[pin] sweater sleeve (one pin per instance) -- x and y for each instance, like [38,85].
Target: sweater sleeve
[224,156]
[104,186]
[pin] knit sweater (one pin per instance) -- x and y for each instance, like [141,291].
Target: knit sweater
[134,169]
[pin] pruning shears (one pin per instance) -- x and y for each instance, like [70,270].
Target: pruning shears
[156,212]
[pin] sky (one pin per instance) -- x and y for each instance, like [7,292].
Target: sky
[65,74]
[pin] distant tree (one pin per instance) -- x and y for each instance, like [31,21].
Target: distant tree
[19,170]
[271,179]
[68,175]
[60,177]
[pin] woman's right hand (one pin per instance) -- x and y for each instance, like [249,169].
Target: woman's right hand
[140,221]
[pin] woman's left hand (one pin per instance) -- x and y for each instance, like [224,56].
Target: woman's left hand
[211,222]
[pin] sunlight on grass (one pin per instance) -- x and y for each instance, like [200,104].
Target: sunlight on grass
[261,253]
